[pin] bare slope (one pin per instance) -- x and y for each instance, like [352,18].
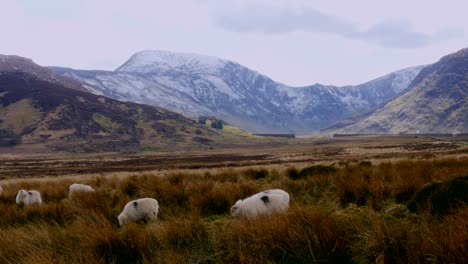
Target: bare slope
[435,102]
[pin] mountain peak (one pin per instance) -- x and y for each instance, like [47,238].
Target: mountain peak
[10,63]
[13,57]
[157,60]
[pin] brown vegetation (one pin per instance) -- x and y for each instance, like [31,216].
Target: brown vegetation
[352,211]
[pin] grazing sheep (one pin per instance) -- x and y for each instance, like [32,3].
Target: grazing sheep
[262,204]
[141,209]
[28,197]
[79,188]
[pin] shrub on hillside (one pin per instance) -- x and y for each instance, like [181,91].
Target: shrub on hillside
[256,174]
[218,124]
[441,197]
[310,171]
[317,170]
[292,173]
[365,163]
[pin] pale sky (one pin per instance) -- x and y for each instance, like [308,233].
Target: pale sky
[295,42]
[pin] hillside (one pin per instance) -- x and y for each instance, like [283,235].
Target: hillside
[17,64]
[197,85]
[435,102]
[36,115]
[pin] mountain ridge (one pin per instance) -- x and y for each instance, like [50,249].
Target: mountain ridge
[200,85]
[18,64]
[435,102]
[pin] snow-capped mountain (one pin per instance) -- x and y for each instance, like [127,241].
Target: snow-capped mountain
[163,61]
[43,111]
[196,85]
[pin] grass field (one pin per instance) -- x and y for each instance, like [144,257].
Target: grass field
[348,204]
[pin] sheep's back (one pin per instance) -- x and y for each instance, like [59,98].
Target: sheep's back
[34,197]
[265,203]
[80,187]
[146,207]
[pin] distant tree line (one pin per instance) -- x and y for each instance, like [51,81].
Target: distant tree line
[215,122]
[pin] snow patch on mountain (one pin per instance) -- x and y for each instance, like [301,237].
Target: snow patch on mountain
[196,85]
[219,84]
[155,60]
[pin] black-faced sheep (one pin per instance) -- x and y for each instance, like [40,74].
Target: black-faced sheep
[28,197]
[79,188]
[262,204]
[141,209]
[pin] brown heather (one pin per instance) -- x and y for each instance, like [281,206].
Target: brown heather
[337,215]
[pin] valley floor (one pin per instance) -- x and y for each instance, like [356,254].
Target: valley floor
[288,152]
[353,200]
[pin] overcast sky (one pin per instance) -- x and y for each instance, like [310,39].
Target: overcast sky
[295,42]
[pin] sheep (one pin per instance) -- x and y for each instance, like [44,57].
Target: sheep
[28,197]
[79,188]
[141,209]
[264,203]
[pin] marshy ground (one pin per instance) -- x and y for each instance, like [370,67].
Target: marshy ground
[348,204]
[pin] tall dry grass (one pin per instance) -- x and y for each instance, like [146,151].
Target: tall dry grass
[337,215]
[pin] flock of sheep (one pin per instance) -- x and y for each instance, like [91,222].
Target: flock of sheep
[265,203]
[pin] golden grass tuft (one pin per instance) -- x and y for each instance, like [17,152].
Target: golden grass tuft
[301,236]
[338,215]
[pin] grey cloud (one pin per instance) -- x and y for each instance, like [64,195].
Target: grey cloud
[399,34]
[274,20]
[278,20]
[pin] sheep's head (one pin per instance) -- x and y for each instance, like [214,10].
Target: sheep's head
[122,219]
[22,193]
[20,196]
[235,210]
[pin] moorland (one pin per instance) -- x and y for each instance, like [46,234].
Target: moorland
[358,199]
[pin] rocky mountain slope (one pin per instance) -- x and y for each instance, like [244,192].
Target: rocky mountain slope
[17,64]
[197,85]
[40,115]
[435,102]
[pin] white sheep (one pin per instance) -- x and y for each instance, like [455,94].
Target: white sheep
[28,197]
[141,209]
[79,188]
[262,204]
